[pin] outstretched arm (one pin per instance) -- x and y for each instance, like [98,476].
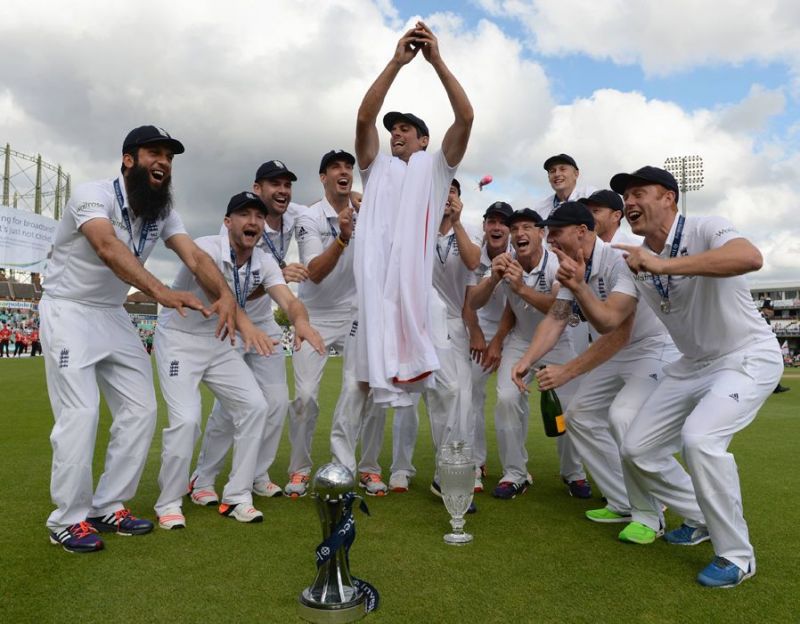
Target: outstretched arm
[367,142]
[544,338]
[600,351]
[454,144]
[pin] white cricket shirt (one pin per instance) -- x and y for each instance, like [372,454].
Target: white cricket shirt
[610,274]
[74,270]
[263,270]
[334,297]
[450,275]
[709,317]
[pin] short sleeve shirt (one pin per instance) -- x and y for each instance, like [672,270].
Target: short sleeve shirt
[263,271]
[610,274]
[74,270]
[450,275]
[490,314]
[708,317]
[335,295]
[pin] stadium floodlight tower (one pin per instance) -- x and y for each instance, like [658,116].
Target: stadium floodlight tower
[688,171]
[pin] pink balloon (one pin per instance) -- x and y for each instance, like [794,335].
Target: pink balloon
[487,179]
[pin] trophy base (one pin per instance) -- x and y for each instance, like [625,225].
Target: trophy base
[457,539]
[333,613]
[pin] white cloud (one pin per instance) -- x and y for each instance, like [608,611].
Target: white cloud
[284,80]
[662,37]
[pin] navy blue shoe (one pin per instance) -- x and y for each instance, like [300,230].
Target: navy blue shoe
[121,522]
[77,538]
[579,488]
[723,573]
[436,489]
[506,490]
[473,508]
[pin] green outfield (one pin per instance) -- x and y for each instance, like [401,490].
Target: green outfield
[534,559]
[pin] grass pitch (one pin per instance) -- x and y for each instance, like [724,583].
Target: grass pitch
[534,559]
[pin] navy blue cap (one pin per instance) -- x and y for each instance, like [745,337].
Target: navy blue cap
[646,175]
[569,213]
[390,119]
[243,200]
[145,135]
[499,208]
[333,156]
[457,185]
[564,159]
[606,198]
[274,169]
[526,214]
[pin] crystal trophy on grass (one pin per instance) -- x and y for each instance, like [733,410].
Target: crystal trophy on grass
[457,480]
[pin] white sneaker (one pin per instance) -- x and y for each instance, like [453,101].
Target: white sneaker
[204,497]
[298,485]
[373,484]
[267,488]
[172,518]
[399,482]
[243,512]
[478,484]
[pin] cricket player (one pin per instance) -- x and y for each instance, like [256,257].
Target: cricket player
[109,229]
[324,234]
[420,182]
[187,355]
[482,325]
[689,271]
[273,185]
[528,283]
[622,368]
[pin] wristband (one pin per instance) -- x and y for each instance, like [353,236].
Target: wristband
[342,243]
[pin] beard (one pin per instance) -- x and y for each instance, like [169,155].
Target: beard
[148,203]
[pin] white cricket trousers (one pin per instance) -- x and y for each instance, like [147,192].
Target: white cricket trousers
[448,403]
[698,415]
[304,410]
[184,361]
[85,347]
[356,416]
[270,374]
[512,414]
[608,399]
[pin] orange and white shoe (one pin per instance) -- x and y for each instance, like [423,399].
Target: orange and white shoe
[373,484]
[298,485]
[267,488]
[172,518]
[243,512]
[399,482]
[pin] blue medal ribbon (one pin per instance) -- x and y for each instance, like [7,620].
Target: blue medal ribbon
[279,257]
[137,250]
[241,294]
[676,243]
[576,309]
[343,536]
[447,251]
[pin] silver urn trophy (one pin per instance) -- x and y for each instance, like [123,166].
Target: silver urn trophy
[457,480]
[333,597]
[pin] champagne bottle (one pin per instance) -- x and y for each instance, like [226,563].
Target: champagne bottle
[552,414]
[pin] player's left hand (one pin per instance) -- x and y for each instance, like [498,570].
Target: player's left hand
[641,260]
[552,376]
[425,39]
[304,331]
[295,272]
[256,340]
[355,199]
[491,357]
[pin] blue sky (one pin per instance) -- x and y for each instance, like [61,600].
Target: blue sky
[708,85]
